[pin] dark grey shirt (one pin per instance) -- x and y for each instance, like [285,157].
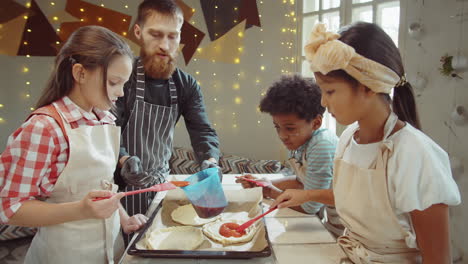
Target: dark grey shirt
[203,137]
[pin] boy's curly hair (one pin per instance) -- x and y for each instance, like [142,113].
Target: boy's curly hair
[293,94]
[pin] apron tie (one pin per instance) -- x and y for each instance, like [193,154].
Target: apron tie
[353,248]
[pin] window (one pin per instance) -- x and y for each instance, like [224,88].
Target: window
[337,13]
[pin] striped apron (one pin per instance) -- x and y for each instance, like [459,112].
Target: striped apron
[149,136]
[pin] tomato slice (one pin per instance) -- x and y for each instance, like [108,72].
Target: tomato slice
[229,230]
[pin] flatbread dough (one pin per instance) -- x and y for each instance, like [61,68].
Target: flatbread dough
[211,230]
[186,215]
[174,238]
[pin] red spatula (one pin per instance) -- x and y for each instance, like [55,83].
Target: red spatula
[252,221]
[261,183]
[155,188]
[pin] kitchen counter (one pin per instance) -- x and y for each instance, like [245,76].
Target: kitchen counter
[295,237]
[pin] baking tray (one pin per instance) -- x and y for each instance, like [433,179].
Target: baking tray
[203,254]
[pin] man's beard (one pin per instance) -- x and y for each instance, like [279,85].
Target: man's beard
[157,67]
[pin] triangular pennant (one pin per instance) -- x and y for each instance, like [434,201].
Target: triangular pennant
[249,11]
[10,10]
[220,17]
[191,38]
[11,34]
[39,35]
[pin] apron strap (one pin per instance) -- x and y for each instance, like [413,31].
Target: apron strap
[140,81]
[172,92]
[51,111]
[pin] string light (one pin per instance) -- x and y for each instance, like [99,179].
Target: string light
[238,100]
[52,3]
[1,105]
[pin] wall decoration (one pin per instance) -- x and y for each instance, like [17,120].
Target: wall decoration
[10,10]
[459,115]
[11,34]
[459,62]
[447,69]
[191,38]
[220,18]
[415,30]
[39,37]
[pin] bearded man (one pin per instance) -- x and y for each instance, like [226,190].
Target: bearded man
[156,95]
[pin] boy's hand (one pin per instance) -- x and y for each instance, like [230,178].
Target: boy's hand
[291,197]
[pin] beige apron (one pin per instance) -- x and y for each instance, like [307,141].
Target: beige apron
[93,154]
[328,215]
[373,234]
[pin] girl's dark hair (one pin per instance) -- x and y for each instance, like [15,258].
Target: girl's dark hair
[293,94]
[91,46]
[370,41]
[149,7]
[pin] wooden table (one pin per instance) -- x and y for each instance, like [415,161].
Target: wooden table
[295,237]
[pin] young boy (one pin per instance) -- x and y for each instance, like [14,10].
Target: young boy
[294,105]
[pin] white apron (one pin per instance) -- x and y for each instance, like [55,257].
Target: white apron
[373,234]
[328,215]
[93,154]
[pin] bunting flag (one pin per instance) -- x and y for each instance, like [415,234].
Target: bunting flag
[39,37]
[90,14]
[10,10]
[191,38]
[11,34]
[249,12]
[225,49]
[220,18]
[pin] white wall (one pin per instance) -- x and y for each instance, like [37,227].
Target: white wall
[442,35]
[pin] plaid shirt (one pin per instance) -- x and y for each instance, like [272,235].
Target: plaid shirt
[37,153]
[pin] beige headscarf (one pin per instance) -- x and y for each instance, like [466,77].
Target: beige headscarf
[326,53]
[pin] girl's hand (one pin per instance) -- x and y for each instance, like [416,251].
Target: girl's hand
[291,197]
[133,223]
[100,209]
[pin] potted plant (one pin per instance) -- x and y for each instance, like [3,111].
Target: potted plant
[447,67]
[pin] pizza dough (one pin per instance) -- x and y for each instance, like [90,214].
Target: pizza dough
[186,215]
[174,238]
[211,230]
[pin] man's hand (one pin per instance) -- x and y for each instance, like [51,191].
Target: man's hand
[133,174]
[211,163]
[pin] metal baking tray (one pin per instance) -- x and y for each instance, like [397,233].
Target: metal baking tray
[202,254]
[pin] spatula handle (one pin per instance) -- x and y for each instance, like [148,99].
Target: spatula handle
[251,221]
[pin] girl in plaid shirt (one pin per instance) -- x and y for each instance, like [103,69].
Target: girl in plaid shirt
[65,154]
